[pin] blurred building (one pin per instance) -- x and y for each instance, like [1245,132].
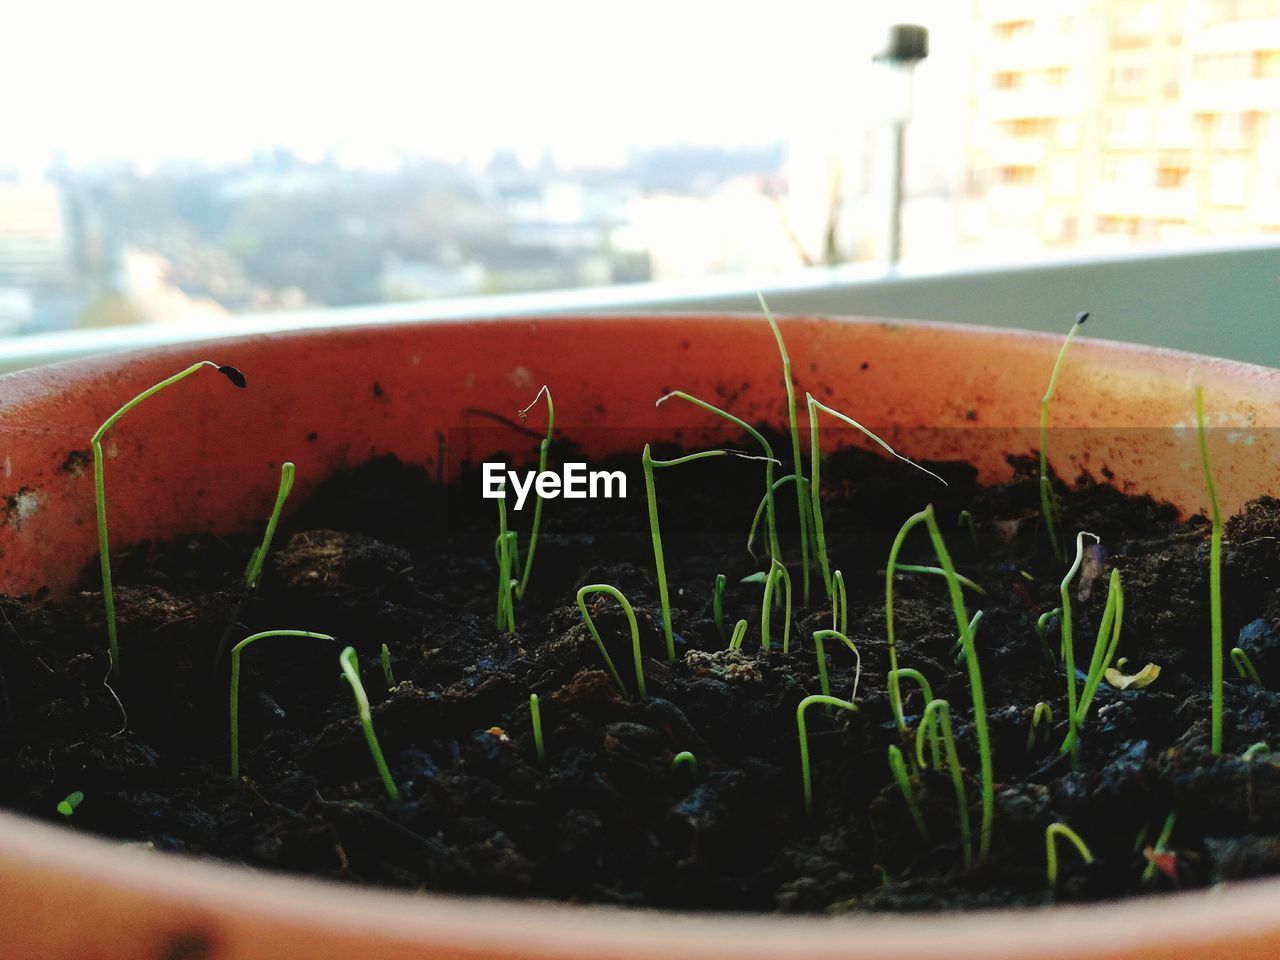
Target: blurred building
[1114,121]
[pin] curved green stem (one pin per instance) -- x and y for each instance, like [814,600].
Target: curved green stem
[818,637]
[1215,580]
[943,711]
[802,732]
[1052,833]
[1068,648]
[543,449]
[595,634]
[776,572]
[1048,505]
[1245,668]
[351,672]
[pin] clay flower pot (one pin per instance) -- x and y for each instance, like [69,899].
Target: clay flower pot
[204,458]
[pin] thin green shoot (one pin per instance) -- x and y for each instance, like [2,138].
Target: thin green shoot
[1042,631]
[939,572]
[73,799]
[1068,649]
[717,603]
[100,491]
[1052,834]
[899,770]
[1162,846]
[1256,750]
[351,672]
[1048,503]
[595,634]
[802,733]
[535,720]
[384,656]
[775,551]
[655,532]
[236,651]
[840,602]
[543,449]
[739,634]
[895,704]
[942,710]
[687,760]
[1215,581]
[505,617]
[1244,667]
[957,648]
[1042,717]
[761,507]
[824,682]
[802,501]
[776,572]
[1104,650]
[965,521]
[815,475]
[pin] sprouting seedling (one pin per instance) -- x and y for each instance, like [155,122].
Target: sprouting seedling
[1068,649]
[802,499]
[68,806]
[1042,631]
[803,734]
[1041,717]
[839,603]
[899,770]
[957,649]
[775,551]
[504,554]
[1162,846]
[895,679]
[965,521]
[1051,834]
[1244,667]
[1254,751]
[942,710]
[987,773]
[717,603]
[100,492]
[777,572]
[236,651]
[384,656]
[761,508]
[258,559]
[815,474]
[1215,580]
[739,634]
[351,671]
[595,634]
[655,531]
[824,682]
[543,448]
[687,760]
[535,720]
[1104,649]
[1048,504]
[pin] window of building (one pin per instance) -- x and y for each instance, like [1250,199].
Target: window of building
[1016,175]
[1011,29]
[1266,63]
[1172,176]
[1118,226]
[1007,80]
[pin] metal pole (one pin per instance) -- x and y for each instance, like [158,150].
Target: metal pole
[895,195]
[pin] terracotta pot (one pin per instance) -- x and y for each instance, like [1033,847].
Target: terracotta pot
[204,456]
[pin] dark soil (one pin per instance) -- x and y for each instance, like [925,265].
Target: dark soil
[385,555]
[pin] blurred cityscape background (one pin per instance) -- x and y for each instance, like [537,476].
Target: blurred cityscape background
[159,166]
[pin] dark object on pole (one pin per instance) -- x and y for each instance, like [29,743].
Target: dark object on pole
[908,43]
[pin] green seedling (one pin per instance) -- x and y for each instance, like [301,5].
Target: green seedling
[1068,649]
[1162,846]
[535,720]
[939,572]
[957,649]
[943,711]
[815,475]
[840,603]
[926,516]
[655,532]
[776,572]
[899,770]
[739,634]
[895,679]
[687,760]
[1051,834]
[770,510]
[1041,717]
[803,507]
[1244,667]
[100,491]
[823,681]
[1215,580]
[761,507]
[965,521]
[803,734]
[595,634]
[543,448]
[236,651]
[717,603]
[68,806]
[1104,650]
[1048,503]
[385,657]
[1042,631]
[1258,749]
[504,554]
[257,559]
[351,671]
